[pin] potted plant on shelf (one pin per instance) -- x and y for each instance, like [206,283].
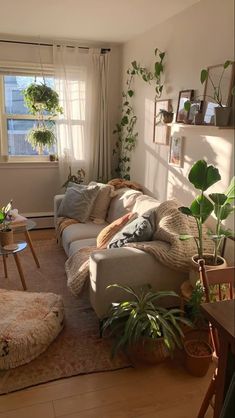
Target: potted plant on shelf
[6,233]
[148,331]
[165,116]
[222,113]
[41,99]
[203,176]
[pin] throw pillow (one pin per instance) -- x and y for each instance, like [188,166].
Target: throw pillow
[139,230]
[109,231]
[78,202]
[144,203]
[122,203]
[102,202]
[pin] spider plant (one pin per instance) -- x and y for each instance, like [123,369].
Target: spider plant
[141,317]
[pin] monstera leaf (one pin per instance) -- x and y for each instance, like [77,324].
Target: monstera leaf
[203,176]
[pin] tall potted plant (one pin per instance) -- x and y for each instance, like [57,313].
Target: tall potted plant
[148,331]
[41,99]
[203,176]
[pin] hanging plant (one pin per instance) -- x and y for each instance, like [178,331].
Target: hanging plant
[40,98]
[125,129]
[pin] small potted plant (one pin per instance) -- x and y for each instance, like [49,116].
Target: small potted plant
[165,116]
[203,176]
[222,113]
[41,99]
[6,233]
[148,331]
[73,178]
[197,347]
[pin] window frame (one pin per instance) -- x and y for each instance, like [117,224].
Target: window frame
[4,117]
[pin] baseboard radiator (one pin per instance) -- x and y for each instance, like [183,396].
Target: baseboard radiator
[42,220]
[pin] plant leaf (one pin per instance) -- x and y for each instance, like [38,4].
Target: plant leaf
[230,192]
[204,76]
[202,208]
[227,63]
[185,210]
[218,198]
[203,176]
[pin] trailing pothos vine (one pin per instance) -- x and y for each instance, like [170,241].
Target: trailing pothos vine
[125,129]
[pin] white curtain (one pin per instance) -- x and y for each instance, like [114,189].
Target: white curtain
[83,129]
[101,146]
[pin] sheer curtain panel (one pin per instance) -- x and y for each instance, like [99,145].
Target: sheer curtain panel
[83,129]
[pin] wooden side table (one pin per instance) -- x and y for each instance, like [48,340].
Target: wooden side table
[24,229]
[5,253]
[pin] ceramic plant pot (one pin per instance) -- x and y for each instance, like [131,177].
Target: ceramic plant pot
[6,237]
[222,115]
[198,356]
[194,272]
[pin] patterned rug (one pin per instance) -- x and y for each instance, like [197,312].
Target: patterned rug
[78,349]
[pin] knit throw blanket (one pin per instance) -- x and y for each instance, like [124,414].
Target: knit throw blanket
[166,246]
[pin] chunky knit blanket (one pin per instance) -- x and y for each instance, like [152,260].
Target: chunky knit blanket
[166,246]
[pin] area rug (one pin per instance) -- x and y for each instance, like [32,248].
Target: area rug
[78,349]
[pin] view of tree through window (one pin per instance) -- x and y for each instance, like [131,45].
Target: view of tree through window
[19,121]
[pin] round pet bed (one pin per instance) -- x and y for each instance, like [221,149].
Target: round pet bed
[29,322]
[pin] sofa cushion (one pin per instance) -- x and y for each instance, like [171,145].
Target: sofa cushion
[107,233]
[102,202]
[139,230]
[122,203]
[78,202]
[79,231]
[81,243]
[143,203]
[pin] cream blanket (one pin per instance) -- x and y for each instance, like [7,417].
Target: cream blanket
[166,246]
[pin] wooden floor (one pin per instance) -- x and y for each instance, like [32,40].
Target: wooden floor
[163,391]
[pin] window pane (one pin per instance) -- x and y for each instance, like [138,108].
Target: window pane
[17,137]
[13,88]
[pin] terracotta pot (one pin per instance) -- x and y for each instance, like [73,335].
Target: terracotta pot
[198,357]
[6,237]
[148,350]
[194,272]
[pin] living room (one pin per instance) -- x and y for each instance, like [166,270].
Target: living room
[133,133]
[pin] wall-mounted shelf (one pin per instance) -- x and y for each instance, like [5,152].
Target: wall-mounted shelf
[189,125]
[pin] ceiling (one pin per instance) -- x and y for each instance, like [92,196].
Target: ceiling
[94,20]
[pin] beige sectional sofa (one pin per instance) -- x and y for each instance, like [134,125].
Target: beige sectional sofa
[126,266]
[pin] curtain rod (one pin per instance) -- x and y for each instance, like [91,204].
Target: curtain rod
[103,50]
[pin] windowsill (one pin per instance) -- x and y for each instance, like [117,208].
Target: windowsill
[28,164]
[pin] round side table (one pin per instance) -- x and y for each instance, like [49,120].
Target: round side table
[5,253]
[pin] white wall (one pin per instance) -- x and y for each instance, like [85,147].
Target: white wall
[33,186]
[194,39]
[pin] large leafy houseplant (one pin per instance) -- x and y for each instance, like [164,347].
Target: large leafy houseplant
[41,99]
[6,233]
[141,319]
[203,176]
[125,129]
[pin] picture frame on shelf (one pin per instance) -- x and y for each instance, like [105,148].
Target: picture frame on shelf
[161,131]
[175,157]
[195,108]
[182,115]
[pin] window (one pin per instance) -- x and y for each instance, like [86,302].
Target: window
[16,120]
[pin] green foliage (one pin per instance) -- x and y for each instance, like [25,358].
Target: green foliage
[202,177]
[193,306]
[217,95]
[73,178]
[40,97]
[41,137]
[131,320]
[4,216]
[125,129]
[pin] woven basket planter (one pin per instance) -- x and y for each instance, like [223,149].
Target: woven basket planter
[148,350]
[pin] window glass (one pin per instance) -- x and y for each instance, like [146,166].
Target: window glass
[17,130]
[13,91]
